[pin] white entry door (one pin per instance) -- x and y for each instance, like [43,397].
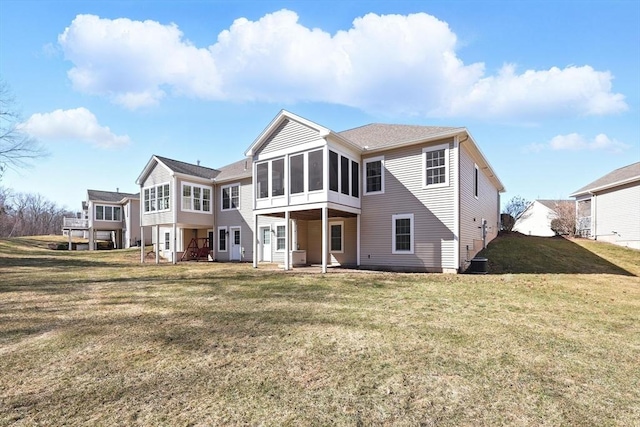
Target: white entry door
[234,234]
[265,241]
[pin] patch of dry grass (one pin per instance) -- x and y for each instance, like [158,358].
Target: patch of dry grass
[96,338]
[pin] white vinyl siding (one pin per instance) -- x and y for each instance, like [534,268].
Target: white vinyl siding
[616,215]
[289,134]
[473,210]
[433,209]
[242,217]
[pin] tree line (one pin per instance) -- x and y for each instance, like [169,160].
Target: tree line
[27,214]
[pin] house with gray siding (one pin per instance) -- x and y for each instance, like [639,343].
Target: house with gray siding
[380,196]
[188,206]
[608,208]
[107,215]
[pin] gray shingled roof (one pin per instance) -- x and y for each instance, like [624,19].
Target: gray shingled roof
[237,170]
[109,196]
[552,204]
[379,135]
[188,168]
[622,174]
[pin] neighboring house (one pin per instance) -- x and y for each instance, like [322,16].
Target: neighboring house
[608,209]
[536,218]
[107,215]
[378,196]
[189,207]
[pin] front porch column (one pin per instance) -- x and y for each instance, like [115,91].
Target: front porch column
[157,247]
[174,256]
[325,246]
[141,245]
[70,232]
[358,240]
[256,236]
[287,234]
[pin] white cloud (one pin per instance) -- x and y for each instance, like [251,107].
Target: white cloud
[398,64]
[78,124]
[577,142]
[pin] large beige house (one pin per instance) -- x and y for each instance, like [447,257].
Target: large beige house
[380,196]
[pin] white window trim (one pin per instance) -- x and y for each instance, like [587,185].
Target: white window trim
[167,241]
[426,150]
[393,233]
[202,187]
[156,187]
[95,212]
[235,184]
[341,224]
[476,181]
[226,240]
[364,191]
[275,237]
[255,180]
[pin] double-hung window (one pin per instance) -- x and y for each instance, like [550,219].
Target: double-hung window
[156,198]
[222,239]
[436,166]
[230,197]
[336,230]
[374,175]
[280,237]
[196,198]
[402,235]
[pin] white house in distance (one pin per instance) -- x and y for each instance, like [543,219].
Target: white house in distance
[536,218]
[608,209]
[397,197]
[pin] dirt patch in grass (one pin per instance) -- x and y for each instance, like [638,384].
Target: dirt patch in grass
[104,340]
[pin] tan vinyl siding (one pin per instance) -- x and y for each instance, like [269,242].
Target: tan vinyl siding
[433,210]
[473,210]
[287,135]
[199,219]
[242,218]
[619,210]
[159,175]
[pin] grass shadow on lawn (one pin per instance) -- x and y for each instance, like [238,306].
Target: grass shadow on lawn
[518,253]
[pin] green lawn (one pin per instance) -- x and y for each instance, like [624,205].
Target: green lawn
[95,338]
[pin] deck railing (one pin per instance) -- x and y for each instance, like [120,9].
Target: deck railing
[75,223]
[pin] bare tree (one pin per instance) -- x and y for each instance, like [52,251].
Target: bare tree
[26,214]
[17,148]
[512,210]
[565,223]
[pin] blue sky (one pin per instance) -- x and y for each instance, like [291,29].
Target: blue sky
[550,90]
